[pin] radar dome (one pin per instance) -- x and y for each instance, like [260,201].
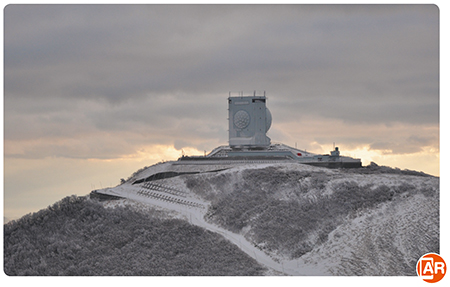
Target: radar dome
[268,119]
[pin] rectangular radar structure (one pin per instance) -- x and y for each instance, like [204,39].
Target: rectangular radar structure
[248,120]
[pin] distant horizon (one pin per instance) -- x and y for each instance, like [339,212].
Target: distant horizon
[100,185]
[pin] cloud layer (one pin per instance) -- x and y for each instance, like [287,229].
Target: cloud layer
[79,75]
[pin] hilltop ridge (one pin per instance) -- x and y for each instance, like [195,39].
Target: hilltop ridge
[296,219]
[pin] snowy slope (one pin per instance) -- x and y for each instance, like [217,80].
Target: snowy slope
[387,240]
[302,220]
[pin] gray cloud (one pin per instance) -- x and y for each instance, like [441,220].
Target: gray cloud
[412,144]
[161,74]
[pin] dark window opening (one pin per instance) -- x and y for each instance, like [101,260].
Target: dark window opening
[258,100]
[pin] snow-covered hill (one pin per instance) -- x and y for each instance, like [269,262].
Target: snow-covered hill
[79,236]
[302,220]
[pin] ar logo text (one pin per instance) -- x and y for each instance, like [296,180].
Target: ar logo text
[431,267]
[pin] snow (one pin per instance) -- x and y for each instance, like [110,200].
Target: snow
[319,261]
[401,225]
[195,215]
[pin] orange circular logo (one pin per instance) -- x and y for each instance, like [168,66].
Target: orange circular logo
[431,268]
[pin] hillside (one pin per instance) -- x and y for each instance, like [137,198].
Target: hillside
[78,236]
[292,219]
[372,221]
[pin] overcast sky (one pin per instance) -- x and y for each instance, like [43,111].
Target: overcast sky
[95,92]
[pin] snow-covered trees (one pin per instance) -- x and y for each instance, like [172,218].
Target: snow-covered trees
[77,236]
[291,212]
